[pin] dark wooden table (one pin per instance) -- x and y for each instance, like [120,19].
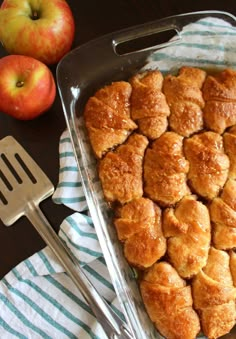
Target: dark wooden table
[40,137]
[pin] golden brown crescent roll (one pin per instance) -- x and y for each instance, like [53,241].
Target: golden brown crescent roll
[214,295]
[138,225]
[184,96]
[219,93]
[229,138]
[165,169]
[107,117]
[148,104]
[209,165]
[233,266]
[121,171]
[168,302]
[223,217]
[187,227]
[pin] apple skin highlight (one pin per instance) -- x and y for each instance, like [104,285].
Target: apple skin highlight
[27,87]
[42,29]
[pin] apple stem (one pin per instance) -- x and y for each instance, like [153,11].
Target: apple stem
[20,83]
[35,15]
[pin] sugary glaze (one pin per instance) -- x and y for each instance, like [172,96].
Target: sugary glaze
[168,301]
[138,225]
[184,96]
[188,234]
[214,295]
[219,93]
[209,165]
[148,104]
[165,170]
[166,149]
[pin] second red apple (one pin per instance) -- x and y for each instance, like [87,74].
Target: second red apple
[27,87]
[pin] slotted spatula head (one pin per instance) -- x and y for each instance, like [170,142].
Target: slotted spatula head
[22,182]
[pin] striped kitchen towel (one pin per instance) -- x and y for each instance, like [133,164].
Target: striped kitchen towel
[37,298]
[69,189]
[209,43]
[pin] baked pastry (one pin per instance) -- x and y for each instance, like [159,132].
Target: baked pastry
[107,117]
[168,302]
[223,217]
[139,227]
[188,229]
[229,138]
[214,295]
[148,104]
[166,154]
[209,165]
[121,171]
[184,96]
[232,263]
[165,170]
[219,93]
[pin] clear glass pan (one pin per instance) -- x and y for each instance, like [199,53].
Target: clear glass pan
[79,74]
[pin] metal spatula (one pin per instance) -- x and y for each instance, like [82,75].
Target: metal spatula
[23,185]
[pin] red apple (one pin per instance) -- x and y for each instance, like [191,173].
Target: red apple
[27,87]
[42,29]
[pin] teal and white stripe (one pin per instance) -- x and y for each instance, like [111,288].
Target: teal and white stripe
[80,237]
[69,190]
[37,298]
[208,43]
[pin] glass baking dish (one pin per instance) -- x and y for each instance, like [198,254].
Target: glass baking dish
[80,73]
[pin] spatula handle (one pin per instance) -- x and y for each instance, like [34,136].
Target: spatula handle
[112,325]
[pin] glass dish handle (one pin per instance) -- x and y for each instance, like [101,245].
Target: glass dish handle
[161,27]
[123,44]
